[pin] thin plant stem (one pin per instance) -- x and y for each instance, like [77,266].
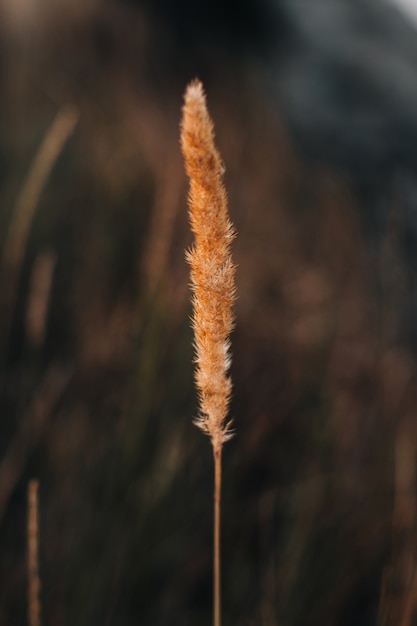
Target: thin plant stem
[216,543]
[34,607]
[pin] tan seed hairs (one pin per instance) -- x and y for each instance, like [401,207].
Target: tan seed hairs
[212,269]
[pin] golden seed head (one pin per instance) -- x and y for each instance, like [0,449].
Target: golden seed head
[212,268]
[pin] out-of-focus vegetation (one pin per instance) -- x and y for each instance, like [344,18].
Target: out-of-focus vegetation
[97,395]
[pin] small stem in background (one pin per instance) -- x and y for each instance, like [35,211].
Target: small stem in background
[34,607]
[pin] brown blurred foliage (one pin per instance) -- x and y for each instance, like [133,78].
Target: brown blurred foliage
[97,395]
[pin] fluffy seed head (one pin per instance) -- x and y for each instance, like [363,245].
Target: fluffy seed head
[212,269]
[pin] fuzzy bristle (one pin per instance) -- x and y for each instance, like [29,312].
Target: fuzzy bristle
[212,268]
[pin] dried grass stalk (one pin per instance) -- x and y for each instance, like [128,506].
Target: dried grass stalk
[34,607]
[213,286]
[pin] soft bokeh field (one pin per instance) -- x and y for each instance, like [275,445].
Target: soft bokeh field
[97,397]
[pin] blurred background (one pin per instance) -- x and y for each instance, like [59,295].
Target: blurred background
[315,109]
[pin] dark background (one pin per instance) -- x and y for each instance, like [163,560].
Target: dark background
[315,109]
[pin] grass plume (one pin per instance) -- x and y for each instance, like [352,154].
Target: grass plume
[213,286]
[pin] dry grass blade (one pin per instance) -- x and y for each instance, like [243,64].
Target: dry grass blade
[213,285]
[24,210]
[55,139]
